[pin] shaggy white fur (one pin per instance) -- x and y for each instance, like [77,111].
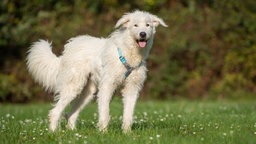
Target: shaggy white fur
[90,66]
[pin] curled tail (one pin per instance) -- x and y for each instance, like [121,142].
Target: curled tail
[43,64]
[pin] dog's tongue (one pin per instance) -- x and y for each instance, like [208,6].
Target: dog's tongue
[142,44]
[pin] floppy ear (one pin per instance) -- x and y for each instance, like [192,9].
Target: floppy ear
[156,21]
[123,21]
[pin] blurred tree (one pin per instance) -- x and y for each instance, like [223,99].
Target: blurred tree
[208,50]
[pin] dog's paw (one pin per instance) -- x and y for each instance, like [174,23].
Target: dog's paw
[52,127]
[126,129]
[103,130]
[70,126]
[102,127]
[53,122]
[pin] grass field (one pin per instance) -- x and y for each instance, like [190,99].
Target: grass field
[155,122]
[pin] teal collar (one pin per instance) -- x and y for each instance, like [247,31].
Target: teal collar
[124,62]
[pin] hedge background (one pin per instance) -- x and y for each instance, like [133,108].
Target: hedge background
[208,50]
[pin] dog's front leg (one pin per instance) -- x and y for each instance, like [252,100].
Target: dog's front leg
[130,94]
[104,96]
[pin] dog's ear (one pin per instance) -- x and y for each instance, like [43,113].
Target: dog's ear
[123,21]
[156,21]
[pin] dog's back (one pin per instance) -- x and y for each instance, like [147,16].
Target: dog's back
[47,69]
[85,44]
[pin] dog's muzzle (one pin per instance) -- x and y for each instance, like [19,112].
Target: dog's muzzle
[142,42]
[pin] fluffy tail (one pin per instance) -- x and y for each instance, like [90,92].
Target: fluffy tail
[43,64]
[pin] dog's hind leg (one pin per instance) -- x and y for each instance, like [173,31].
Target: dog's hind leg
[69,90]
[65,98]
[80,102]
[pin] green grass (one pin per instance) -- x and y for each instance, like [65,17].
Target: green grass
[169,122]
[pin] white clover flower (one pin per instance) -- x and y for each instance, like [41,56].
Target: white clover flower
[158,136]
[28,120]
[78,135]
[8,115]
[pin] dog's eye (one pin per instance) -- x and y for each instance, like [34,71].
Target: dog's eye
[147,25]
[135,25]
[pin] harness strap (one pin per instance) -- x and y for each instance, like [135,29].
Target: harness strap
[124,62]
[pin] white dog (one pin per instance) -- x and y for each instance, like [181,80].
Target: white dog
[92,66]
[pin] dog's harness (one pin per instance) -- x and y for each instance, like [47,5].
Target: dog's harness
[126,65]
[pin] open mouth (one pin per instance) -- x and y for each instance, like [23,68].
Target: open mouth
[142,43]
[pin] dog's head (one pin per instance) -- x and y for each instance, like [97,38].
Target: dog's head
[141,26]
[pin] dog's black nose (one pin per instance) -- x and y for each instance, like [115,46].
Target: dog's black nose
[143,34]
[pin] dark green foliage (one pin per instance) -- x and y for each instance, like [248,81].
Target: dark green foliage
[208,50]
